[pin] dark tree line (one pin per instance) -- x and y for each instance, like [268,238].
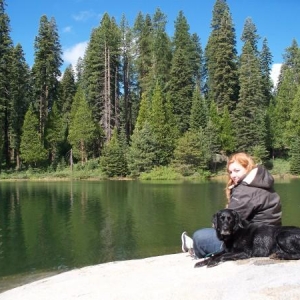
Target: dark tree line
[140,99]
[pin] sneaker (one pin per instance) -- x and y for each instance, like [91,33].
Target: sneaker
[183,245]
[187,243]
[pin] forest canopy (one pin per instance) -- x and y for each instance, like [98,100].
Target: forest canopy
[140,99]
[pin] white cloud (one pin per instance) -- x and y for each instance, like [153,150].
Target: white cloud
[71,55]
[84,15]
[275,73]
[67,29]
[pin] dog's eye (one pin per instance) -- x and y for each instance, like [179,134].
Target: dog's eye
[226,218]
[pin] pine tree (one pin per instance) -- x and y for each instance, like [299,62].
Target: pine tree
[67,92]
[161,48]
[292,61]
[250,35]
[199,111]
[82,128]
[293,124]
[32,150]
[286,91]
[143,34]
[113,160]
[193,150]
[221,59]
[183,75]
[197,61]
[181,89]
[101,74]
[46,69]
[54,134]
[6,49]
[79,72]
[163,132]
[213,129]
[249,116]
[141,155]
[144,112]
[227,138]
[127,74]
[20,93]
[294,154]
[266,64]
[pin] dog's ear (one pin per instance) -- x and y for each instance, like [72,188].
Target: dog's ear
[215,220]
[238,221]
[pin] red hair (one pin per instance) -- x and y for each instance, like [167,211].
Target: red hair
[245,160]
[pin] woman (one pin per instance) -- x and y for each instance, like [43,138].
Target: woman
[250,192]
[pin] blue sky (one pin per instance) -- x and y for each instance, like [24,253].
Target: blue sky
[277,20]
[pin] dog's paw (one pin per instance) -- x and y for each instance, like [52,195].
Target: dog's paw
[201,263]
[274,256]
[212,263]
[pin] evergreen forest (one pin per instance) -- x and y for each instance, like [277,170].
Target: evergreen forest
[141,101]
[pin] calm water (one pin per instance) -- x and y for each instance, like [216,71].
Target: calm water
[52,227]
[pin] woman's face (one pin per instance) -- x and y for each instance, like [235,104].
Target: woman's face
[236,171]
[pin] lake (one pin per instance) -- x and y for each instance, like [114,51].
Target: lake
[51,227]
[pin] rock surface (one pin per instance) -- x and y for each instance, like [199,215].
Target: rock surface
[169,277]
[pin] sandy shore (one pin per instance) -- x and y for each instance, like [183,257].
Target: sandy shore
[168,277]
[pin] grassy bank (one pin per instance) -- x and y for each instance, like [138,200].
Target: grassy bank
[91,171]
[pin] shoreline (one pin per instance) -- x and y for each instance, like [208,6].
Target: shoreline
[221,177]
[168,277]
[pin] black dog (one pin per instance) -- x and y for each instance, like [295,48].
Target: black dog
[244,240]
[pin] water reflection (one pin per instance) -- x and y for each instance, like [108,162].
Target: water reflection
[57,226]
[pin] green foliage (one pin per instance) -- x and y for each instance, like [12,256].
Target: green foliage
[46,69]
[54,133]
[286,93]
[161,173]
[265,65]
[295,156]
[250,35]
[279,167]
[113,160]
[221,59]
[143,34]
[67,93]
[82,127]
[6,75]
[161,122]
[213,129]
[259,153]
[181,89]
[100,75]
[32,150]
[193,150]
[198,118]
[249,116]
[19,96]
[144,111]
[227,138]
[293,124]
[141,154]
[161,49]
[183,74]
[153,89]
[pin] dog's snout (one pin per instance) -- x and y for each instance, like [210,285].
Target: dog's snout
[226,225]
[225,229]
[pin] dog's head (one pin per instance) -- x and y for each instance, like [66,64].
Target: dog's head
[226,222]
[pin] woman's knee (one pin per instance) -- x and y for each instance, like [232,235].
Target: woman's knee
[204,233]
[205,241]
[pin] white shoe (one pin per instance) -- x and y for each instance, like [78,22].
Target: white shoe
[187,243]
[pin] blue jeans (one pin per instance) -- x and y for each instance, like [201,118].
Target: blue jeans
[206,242]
